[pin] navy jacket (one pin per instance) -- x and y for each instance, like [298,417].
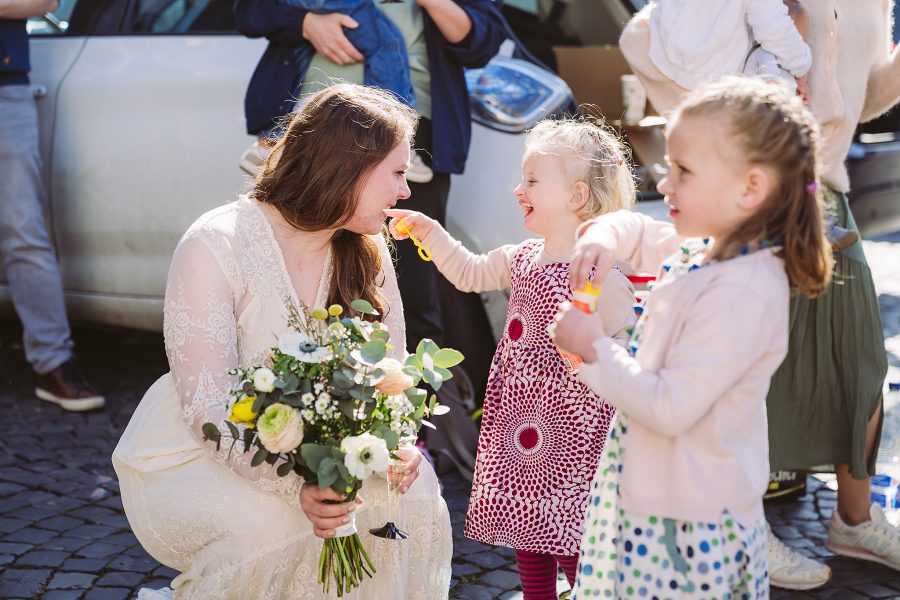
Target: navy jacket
[270,89]
[13,52]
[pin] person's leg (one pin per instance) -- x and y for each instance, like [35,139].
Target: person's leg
[537,572]
[853,494]
[569,565]
[28,255]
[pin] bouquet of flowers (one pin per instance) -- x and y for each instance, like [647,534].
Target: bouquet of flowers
[328,404]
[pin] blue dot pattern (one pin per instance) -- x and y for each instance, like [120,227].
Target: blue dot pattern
[635,556]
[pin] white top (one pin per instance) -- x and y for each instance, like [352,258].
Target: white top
[694,41]
[695,392]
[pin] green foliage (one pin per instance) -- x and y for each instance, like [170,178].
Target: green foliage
[363,307]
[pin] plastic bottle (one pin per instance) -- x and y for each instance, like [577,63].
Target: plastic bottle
[585,300]
[884,485]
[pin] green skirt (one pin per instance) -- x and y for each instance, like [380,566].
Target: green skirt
[830,384]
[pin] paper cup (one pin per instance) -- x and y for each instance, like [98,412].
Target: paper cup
[634,100]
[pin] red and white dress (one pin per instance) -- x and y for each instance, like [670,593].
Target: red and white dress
[542,431]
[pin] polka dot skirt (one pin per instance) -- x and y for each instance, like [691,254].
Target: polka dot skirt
[634,556]
[542,431]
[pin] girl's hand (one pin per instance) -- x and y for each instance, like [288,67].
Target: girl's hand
[576,332]
[325,518]
[325,32]
[409,468]
[594,249]
[415,222]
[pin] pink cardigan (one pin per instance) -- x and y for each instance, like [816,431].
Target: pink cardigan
[695,394]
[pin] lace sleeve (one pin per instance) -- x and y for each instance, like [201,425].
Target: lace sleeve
[394,310]
[200,329]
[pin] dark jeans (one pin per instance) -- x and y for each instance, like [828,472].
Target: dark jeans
[432,307]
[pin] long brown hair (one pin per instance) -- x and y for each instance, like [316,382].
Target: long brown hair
[772,128]
[317,169]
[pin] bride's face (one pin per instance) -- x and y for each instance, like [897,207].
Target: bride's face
[384,186]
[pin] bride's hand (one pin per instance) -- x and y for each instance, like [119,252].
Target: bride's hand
[410,466]
[416,223]
[325,518]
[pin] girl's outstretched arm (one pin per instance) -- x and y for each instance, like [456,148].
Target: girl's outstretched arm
[732,341]
[468,272]
[623,236]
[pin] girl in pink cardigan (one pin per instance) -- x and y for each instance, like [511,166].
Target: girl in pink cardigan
[543,430]
[677,505]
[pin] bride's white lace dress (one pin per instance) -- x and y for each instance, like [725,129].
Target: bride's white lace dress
[236,532]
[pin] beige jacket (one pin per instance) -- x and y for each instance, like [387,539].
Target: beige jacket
[695,392]
[855,74]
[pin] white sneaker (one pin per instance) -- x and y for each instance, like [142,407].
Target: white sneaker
[418,171]
[791,570]
[876,540]
[254,157]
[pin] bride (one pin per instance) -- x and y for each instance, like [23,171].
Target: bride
[308,232]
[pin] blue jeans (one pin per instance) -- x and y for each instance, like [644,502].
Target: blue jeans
[376,38]
[25,247]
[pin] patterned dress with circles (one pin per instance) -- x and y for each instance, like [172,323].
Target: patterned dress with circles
[542,432]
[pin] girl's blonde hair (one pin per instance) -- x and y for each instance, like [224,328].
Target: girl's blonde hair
[773,129]
[594,155]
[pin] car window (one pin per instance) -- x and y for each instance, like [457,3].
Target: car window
[170,17]
[55,23]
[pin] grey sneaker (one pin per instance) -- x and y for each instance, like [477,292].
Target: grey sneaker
[876,539]
[791,570]
[254,158]
[418,171]
[839,237]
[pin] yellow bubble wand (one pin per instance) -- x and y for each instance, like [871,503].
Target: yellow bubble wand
[403,229]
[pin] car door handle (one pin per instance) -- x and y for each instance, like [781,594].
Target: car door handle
[39,90]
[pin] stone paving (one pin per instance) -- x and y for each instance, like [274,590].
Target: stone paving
[64,536]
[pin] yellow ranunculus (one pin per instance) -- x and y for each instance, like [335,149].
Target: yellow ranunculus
[242,411]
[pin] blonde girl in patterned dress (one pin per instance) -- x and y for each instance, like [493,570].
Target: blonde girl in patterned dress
[542,430]
[676,509]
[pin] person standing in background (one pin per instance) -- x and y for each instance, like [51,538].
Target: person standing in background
[442,38]
[25,246]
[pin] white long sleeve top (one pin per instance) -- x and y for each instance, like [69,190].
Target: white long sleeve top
[695,41]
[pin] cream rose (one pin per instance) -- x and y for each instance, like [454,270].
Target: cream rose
[394,381]
[280,428]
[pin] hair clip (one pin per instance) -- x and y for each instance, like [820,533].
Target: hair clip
[812,188]
[616,159]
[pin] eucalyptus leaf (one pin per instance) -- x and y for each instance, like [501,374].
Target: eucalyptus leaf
[291,382]
[272,458]
[341,379]
[211,432]
[388,435]
[373,351]
[381,335]
[326,467]
[413,360]
[362,306]
[248,439]
[261,455]
[444,373]
[426,346]
[328,480]
[313,454]
[416,396]
[257,403]
[447,357]
[283,469]
[235,433]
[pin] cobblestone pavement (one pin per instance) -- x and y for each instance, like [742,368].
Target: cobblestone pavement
[63,534]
